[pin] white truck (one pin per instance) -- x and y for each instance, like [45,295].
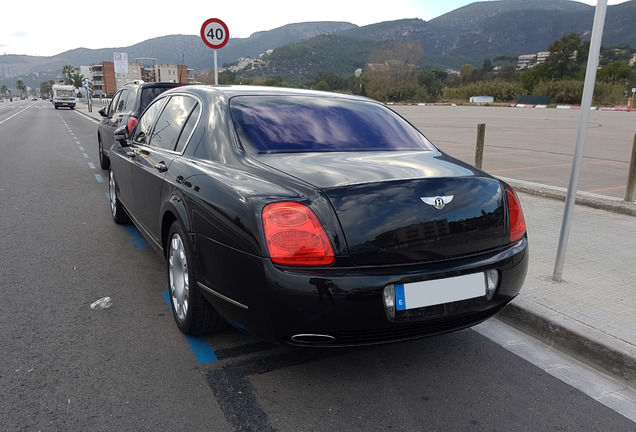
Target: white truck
[63,96]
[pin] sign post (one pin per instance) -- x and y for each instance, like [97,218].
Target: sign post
[89,95]
[215,34]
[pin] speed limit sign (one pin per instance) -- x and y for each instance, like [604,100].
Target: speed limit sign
[214,33]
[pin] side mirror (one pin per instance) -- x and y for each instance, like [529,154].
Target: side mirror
[121,136]
[102,112]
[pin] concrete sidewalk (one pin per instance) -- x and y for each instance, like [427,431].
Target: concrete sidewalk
[591,314]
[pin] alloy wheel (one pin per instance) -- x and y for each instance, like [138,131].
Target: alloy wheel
[179,280]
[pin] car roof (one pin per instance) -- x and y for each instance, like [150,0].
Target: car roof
[246,90]
[152,84]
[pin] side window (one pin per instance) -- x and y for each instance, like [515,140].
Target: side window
[113,103]
[130,96]
[188,128]
[171,121]
[141,132]
[121,104]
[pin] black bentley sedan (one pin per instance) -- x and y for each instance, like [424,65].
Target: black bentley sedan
[314,219]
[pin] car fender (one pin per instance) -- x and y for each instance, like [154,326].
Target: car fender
[174,208]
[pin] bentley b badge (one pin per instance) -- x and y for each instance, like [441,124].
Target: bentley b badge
[437,202]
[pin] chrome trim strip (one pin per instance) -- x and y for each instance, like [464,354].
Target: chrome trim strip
[221,296]
[319,338]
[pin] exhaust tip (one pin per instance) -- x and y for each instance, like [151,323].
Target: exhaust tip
[310,338]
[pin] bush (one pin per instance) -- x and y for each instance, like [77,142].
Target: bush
[502,91]
[571,92]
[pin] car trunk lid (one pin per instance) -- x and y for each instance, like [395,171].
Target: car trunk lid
[409,207]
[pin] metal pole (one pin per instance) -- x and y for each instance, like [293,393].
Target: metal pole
[630,193]
[479,150]
[586,106]
[216,70]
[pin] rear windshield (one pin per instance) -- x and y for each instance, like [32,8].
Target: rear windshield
[283,124]
[149,94]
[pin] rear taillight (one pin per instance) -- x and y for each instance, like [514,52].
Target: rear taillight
[132,121]
[517,222]
[295,236]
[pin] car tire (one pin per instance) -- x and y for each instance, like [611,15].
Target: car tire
[192,313]
[116,208]
[103,159]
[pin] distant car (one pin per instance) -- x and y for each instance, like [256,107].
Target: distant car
[314,219]
[124,110]
[34,98]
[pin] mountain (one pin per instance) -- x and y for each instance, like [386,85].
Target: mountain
[469,34]
[173,49]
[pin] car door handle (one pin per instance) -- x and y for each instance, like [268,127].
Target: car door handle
[161,167]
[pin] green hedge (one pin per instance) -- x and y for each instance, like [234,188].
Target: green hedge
[571,92]
[502,91]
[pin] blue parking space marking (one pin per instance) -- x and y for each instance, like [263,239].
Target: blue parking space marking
[91,165]
[136,236]
[200,346]
[99,179]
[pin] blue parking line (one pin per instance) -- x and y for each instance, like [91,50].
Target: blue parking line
[200,346]
[136,236]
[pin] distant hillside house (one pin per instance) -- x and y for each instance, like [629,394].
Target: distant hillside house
[526,61]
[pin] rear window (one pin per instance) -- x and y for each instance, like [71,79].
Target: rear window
[283,124]
[148,94]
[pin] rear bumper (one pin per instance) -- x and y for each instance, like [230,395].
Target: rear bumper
[345,306]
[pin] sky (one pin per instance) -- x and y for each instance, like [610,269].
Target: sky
[47,28]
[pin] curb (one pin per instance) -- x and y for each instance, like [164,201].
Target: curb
[596,349]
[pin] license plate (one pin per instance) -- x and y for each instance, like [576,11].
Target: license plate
[439,291]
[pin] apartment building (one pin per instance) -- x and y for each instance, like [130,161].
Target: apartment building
[527,61]
[106,82]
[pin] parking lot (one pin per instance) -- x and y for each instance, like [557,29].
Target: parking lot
[535,145]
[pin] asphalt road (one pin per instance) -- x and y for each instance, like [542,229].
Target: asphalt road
[66,367]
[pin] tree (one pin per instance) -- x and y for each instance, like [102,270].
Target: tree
[533,76]
[68,71]
[76,80]
[567,56]
[487,66]
[393,67]
[46,87]
[620,52]
[227,77]
[508,73]
[21,87]
[4,90]
[432,83]
[616,72]
[466,74]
